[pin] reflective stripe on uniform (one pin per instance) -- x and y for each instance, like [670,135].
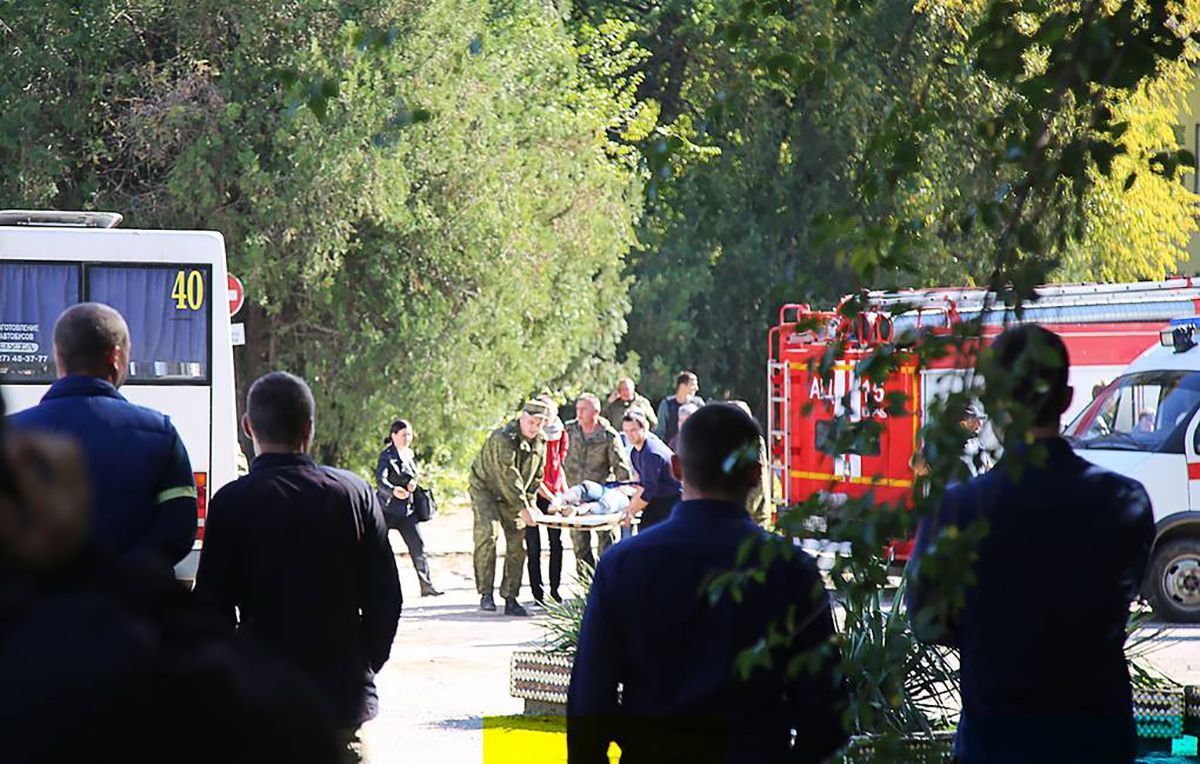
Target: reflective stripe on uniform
[182,492]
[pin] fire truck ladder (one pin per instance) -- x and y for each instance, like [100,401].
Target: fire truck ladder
[778,426]
[1066,303]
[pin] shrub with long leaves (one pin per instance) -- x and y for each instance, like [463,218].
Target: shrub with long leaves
[900,683]
[565,619]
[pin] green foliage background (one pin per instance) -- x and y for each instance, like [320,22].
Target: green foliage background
[427,201]
[795,121]
[440,207]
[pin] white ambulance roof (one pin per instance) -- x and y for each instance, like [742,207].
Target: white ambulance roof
[1159,358]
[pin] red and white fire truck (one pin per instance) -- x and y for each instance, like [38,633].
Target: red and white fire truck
[1105,328]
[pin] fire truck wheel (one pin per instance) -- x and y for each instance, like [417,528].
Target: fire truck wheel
[1174,581]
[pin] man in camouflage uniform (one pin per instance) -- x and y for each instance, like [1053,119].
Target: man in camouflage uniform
[756,500]
[596,454]
[504,483]
[624,398]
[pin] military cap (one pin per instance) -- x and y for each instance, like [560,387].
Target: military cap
[535,407]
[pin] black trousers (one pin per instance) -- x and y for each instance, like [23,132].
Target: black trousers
[410,531]
[533,549]
[657,511]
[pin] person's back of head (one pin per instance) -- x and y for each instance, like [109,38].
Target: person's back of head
[280,413]
[743,406]
[92,339]
[1031,366]
[718,453]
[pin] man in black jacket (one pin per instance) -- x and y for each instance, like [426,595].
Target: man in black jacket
[298,554]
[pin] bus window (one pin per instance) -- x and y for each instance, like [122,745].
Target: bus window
[167,311]
[32,295]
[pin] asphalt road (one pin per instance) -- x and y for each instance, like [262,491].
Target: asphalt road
[449,665]
[449,669]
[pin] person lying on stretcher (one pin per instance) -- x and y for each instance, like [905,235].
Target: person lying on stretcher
[591,498]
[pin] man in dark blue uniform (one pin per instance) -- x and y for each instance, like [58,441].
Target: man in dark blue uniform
[1042,632]
[651,628]
[143,491]
[296,554]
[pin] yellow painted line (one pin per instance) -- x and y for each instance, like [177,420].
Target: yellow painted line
[876,481]
[851,366]
[524,739]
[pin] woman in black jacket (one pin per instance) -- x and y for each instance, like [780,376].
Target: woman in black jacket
[396,479]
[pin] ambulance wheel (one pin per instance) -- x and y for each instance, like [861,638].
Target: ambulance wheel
[1174,584]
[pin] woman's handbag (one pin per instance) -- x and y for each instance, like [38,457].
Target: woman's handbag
[424,506]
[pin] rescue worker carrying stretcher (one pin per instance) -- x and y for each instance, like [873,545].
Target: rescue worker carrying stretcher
[504,484]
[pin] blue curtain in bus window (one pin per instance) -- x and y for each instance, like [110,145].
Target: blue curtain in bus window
[32,295]
[167,311]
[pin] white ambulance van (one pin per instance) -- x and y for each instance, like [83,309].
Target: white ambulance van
[171,286]
[1146,425]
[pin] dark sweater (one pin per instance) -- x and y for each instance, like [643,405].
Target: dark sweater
[1042,632]
[650,626]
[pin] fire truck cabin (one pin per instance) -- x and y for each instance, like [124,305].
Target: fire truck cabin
[1105,327]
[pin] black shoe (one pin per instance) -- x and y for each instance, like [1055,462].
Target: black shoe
[512,607]
[554,595]
[430,591]
[487,603]
[539,598]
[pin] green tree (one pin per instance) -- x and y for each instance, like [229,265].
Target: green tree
[429,202]
[808,114]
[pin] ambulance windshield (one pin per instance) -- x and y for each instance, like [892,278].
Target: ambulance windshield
[1147,411]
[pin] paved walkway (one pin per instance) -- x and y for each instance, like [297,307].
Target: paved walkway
[449,665]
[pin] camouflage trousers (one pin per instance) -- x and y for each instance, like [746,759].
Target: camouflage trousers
[490,518]
[582,541]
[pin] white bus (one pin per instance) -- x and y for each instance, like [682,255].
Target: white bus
[171,286]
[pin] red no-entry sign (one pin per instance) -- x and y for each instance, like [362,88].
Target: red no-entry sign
[237,295]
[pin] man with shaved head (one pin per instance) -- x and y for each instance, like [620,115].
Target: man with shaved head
[92,339]
[143,493]
[656,665]
[296,555]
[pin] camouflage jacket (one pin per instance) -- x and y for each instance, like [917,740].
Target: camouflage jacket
[614,412]
[599,456]
[756,502]
[509,467]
